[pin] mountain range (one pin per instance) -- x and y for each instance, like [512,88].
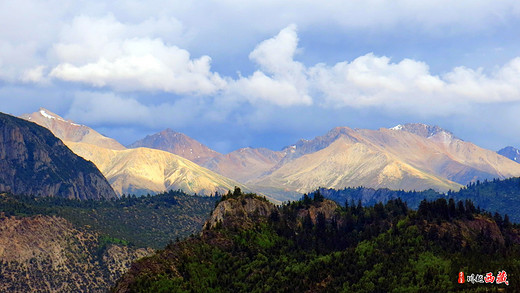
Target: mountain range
[410,157]
[137,170]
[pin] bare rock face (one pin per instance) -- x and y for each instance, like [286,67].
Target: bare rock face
[34,162]
[47,254]
[327,207]
[246,209]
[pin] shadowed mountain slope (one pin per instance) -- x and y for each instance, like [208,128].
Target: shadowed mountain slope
[33,161]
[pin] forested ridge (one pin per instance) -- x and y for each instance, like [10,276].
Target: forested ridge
[315,245]
[146,221]
[502,196]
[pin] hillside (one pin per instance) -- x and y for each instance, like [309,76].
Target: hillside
[409,157]
[139,170]
[242,165]
[501,196]
[48,254]
[147,221]
[33,161]
[67,130]
[314,245]
[143,170]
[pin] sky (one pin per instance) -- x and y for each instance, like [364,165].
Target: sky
[235,74]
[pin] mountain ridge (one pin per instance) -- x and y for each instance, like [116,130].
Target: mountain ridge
[67,130]
[510,153]
[34,161]
[177,143]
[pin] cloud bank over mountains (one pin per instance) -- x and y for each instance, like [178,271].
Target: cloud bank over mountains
[153,65]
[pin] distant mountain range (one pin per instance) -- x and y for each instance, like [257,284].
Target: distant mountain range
[138,170]
[410,157]
[511,153]
[34,162]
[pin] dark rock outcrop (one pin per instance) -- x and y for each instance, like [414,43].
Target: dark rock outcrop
[34,162]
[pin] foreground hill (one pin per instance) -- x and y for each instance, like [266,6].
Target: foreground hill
[409,157]
[48,254]
[33,161]
[53,244]
[144,170]
[146,221]
[314,245]
[67,130]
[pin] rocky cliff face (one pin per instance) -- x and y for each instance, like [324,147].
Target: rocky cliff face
[239,211]
[33,161]
[47,254]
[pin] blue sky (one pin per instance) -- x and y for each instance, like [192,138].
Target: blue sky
[233,74]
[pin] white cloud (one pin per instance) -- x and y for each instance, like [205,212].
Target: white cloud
[284,81]
[103,53]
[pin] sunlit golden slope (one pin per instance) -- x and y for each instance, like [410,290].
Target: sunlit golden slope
[347,163]
[412,156]
[241,165]
[143,170]
[69,131]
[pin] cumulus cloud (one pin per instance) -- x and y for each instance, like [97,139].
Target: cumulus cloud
[369,81]
[375,81]
[107,53]
[282,80]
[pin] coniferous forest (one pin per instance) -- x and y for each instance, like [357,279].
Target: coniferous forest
[316,245]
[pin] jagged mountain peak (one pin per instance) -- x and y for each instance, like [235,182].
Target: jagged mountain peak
[177,143]
[422,129]
[511,153]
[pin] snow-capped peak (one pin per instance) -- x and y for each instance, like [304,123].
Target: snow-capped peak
[397,127]
[46,115]
[49,116]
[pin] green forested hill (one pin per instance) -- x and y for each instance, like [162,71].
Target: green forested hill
[315,245]
[502,196]
[148,221]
